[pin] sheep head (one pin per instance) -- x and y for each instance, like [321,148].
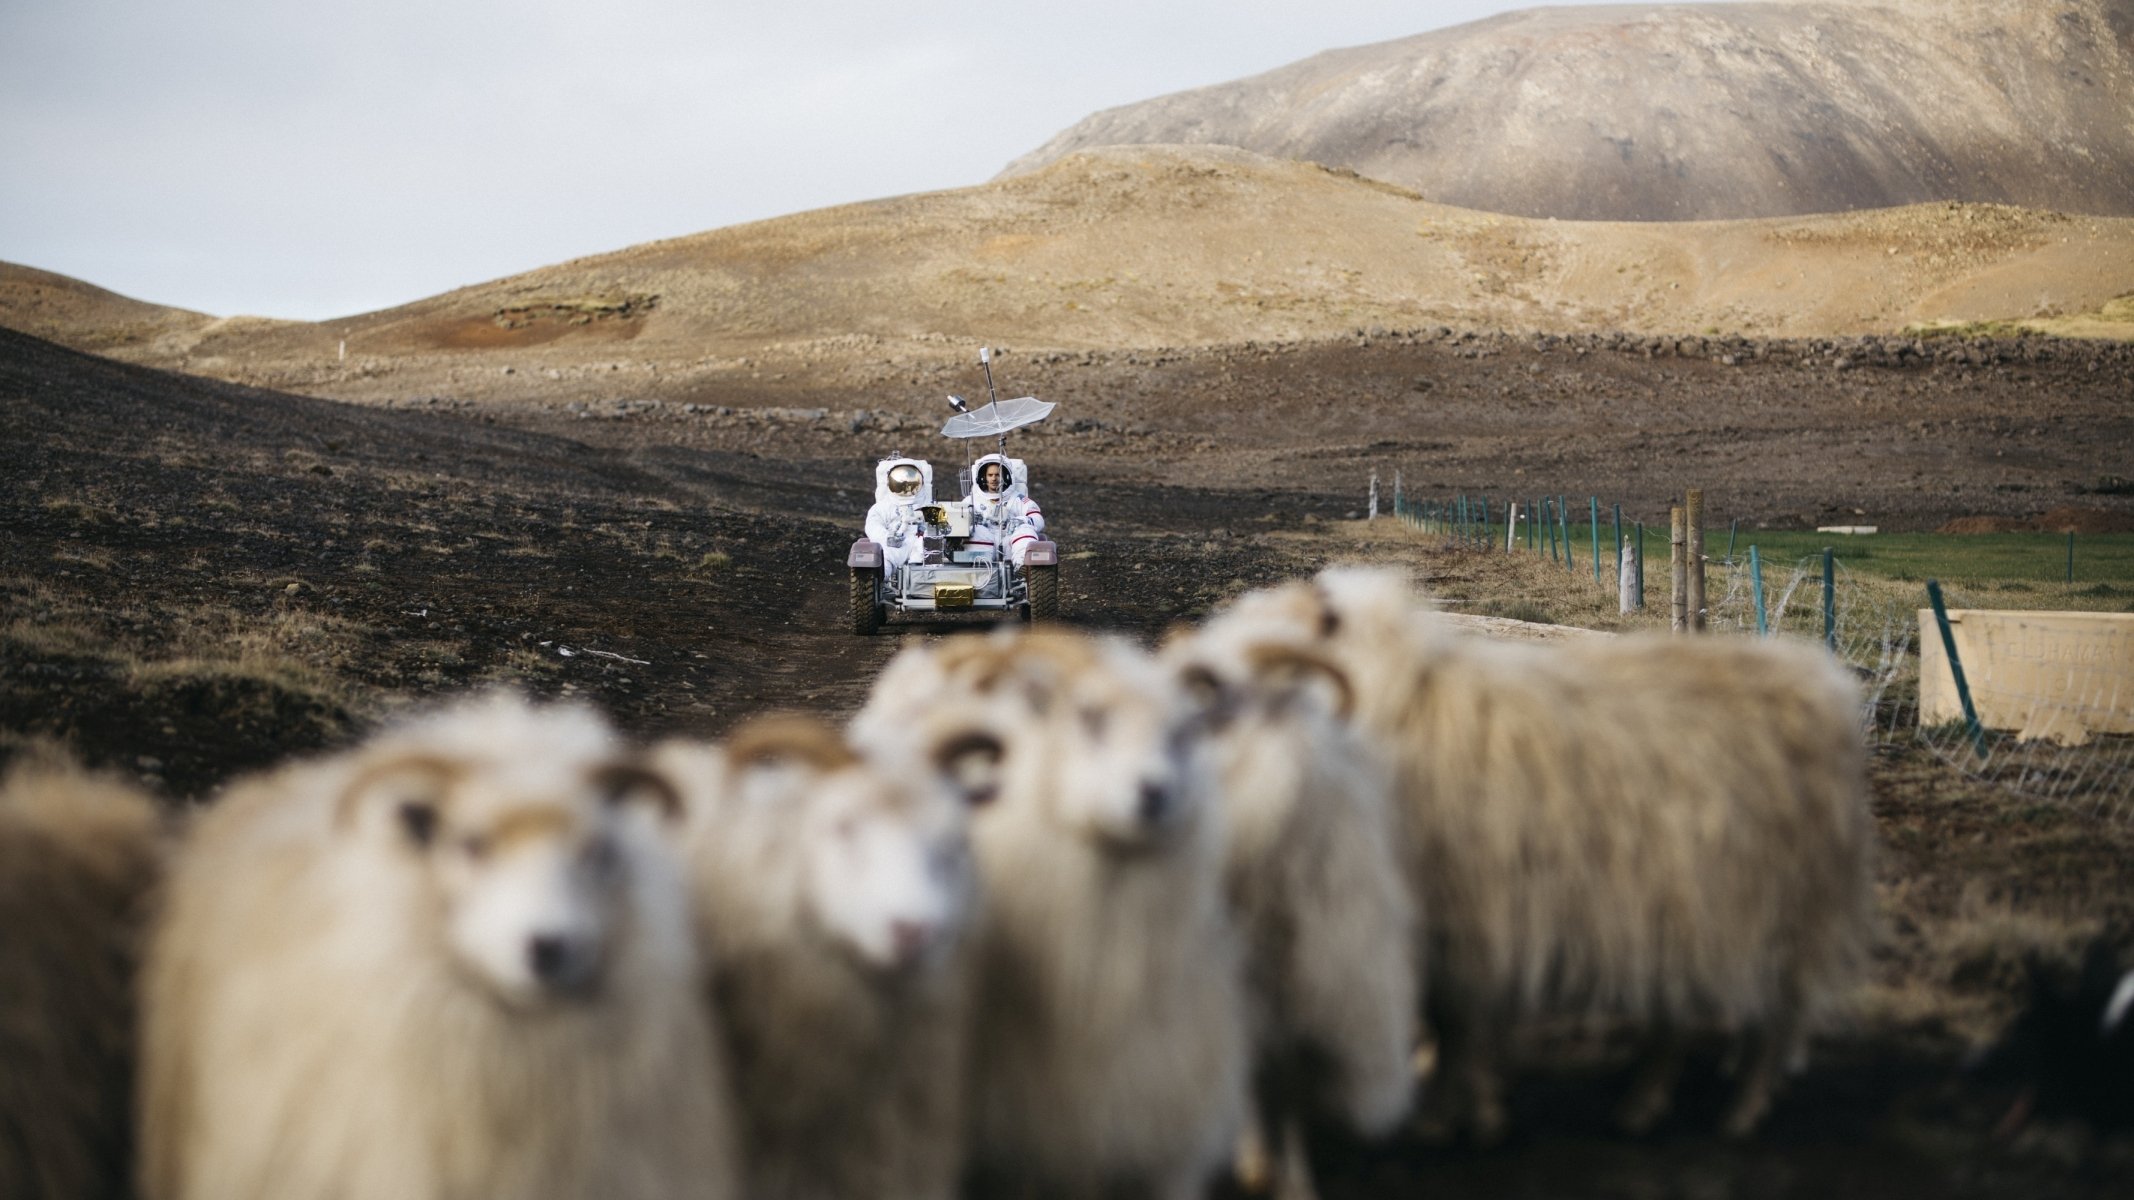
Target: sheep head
[886,868]
[523,827]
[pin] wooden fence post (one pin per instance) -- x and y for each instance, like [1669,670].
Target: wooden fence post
[1628,578]
[1677,547]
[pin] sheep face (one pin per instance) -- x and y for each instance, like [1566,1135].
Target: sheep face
[889,871]
[1124,748]
[528,870]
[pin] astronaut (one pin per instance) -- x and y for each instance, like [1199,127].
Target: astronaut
[901,487]
[1002,512]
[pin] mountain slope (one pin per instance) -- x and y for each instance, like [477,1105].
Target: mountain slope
[1696,112]
[1160,247]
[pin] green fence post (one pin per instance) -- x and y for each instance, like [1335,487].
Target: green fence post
[1830,600]
[2070,556]
[1593,527]
[1563,515]
[1641,564]
[1619,542]
[1732,528]
[1956,668]
[1756,587]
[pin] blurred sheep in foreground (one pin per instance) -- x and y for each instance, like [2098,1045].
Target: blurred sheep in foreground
[454,963]
[836,896]
[1109,1046]
[79,855]
[1673,831]
[1332,949]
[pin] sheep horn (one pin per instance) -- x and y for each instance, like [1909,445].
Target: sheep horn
[789,737]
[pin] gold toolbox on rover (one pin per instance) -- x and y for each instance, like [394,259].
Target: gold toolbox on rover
[954,595]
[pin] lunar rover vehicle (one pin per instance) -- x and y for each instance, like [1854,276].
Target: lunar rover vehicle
[983,555]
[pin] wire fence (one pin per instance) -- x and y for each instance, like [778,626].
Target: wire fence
[2050,700]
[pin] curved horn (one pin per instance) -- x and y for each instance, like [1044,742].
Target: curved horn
[1270,660]
[788,738]
[422,780]
[625,782]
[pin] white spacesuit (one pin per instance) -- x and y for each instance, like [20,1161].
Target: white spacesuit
[1002,512]
[901,487]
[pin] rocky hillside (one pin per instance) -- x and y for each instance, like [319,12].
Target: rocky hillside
[1699,112]
[1147,247]
[87,317]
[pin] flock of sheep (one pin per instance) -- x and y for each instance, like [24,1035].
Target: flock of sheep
[1052,915]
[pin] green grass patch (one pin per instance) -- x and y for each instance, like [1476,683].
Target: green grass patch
[2032,566]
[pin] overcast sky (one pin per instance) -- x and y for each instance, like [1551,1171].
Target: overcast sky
[308,160]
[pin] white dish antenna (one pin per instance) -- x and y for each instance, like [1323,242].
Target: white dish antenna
[997,418]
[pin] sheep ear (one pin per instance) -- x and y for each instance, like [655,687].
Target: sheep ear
[623,784]
[970,761]
[414,786]
[1212,701]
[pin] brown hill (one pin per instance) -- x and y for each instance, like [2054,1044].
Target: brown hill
[1145,247]
[87,317]
[1707,111]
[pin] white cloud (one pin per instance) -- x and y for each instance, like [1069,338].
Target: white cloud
[304,161]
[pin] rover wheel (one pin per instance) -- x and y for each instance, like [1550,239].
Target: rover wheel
[1042,585]
[866,605]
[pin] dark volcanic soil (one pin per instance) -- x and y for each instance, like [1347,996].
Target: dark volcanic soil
[199,578]
[1905,433]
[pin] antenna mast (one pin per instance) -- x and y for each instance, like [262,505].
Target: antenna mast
[985,359]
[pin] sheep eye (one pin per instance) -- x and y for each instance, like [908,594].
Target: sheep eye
[474,846]
[601,857]
[1094,720]
[420,822]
